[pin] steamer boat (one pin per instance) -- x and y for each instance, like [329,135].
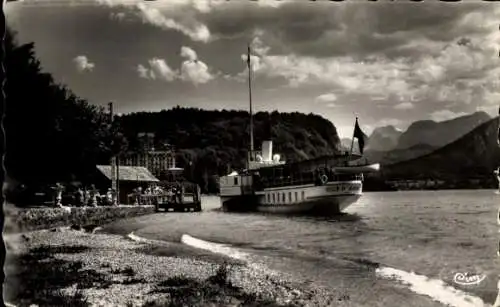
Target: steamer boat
[325,185]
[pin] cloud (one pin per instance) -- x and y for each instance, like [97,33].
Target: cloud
[168,16]
[330,97]
[118,15]
[83,64]
[194,30]
[192,69]
[158,69]
[188,53]
[404,106]
[462,72]
[388,122]
[443,115]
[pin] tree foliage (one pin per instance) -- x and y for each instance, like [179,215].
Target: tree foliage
[51,134]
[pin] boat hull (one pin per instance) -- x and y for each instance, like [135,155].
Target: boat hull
[324,206]
[328,199]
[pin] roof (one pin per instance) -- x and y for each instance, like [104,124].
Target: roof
[129,173]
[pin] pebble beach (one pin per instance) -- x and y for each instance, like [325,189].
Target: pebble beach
[99,269]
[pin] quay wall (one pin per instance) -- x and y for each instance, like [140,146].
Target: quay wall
[30,219]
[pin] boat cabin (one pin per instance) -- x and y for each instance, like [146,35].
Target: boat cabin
[236,184]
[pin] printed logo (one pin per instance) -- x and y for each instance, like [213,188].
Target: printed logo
[467,279]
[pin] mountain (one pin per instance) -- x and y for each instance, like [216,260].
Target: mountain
[398,155]
[438,134]
[421,138]
[475,155]
[383,139]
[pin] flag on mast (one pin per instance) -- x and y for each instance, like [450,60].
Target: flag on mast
[498,130]
[248,56]
[361,136]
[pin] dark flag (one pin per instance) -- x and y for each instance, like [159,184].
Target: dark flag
[361,136]
[248,57]
[498,133]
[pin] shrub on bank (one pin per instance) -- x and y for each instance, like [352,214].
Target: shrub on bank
[20,220]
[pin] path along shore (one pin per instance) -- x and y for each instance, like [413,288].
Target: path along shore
[66,266]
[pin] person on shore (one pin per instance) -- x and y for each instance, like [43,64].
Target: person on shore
[86,197]
[148,194]
[114,197]
[59,188]
[109,197]
[93,196]
[79,197]
[139,196]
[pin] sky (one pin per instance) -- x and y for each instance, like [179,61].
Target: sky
[387,63]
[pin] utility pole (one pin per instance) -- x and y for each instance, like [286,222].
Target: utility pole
[114,161]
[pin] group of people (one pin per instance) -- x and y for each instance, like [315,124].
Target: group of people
[86,197]
[152,194]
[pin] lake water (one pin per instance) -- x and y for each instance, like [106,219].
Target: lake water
[435,234]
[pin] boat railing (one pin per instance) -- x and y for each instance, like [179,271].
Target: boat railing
[307,178]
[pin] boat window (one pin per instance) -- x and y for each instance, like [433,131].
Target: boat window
[289,196]
[284,197]
[235,180]
[268,198]
[274,198]
[303,195]
[296,196]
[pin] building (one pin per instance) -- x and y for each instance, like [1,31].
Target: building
[130,178]
[157,162]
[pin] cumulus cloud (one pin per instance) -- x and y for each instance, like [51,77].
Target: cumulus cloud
[118,15]
[83,64]
[192,69]
[158,69]
[443,115]
[330,97]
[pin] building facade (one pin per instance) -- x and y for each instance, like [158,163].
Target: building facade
[157,162]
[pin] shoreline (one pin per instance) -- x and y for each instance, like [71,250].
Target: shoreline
[95,269]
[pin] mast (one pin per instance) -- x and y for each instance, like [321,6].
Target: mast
[250,99]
